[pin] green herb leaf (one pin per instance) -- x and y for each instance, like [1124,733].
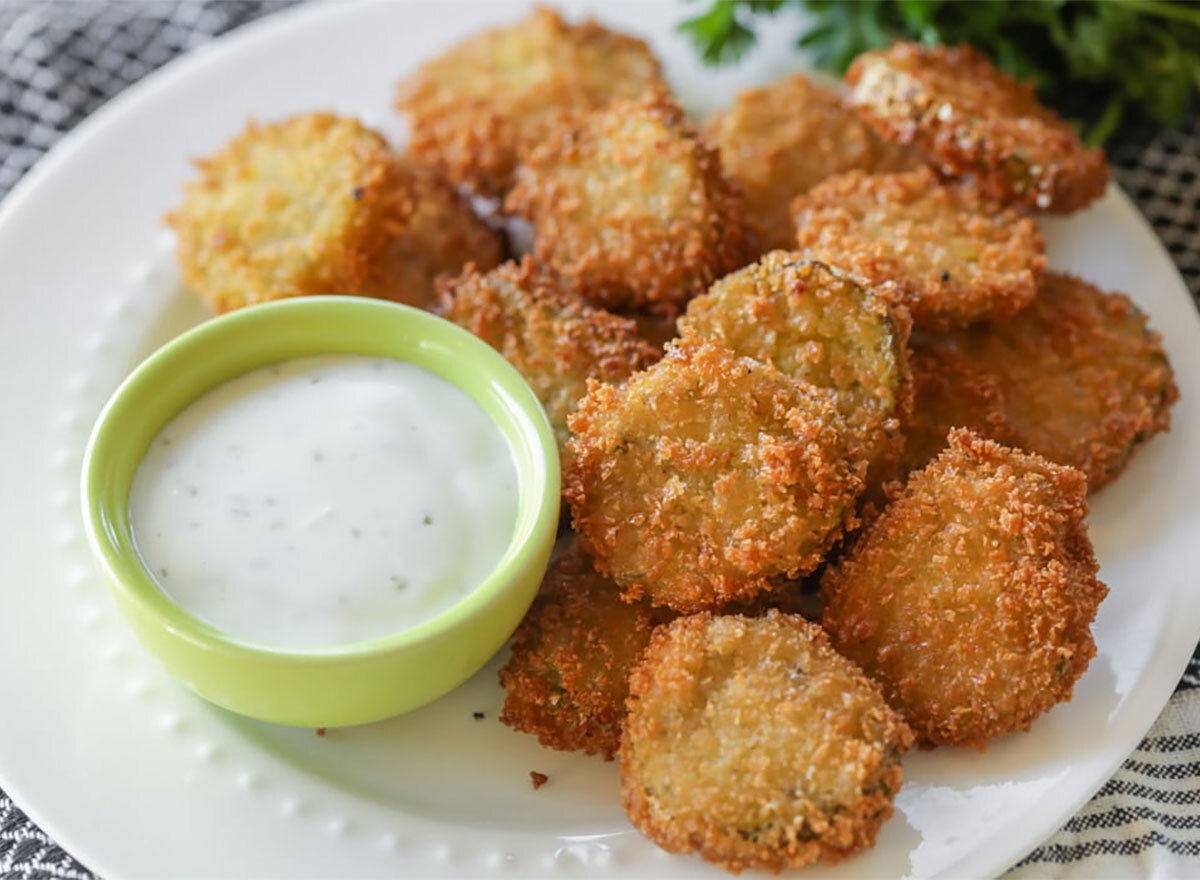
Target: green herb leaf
[1104,61]
[718,34]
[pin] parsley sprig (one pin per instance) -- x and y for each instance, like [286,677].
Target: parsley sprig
[1102,62]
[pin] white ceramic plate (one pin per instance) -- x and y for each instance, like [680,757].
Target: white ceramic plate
[141,779]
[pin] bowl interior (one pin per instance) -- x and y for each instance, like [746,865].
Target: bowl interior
[239,342]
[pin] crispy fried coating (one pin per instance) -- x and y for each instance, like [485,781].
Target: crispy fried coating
[317,204]
[971,597]
[968,118]
[815,323]
[554,340]
[433,232]
[477,108]
[781,140]
[705,477]
[956,257]
[1078,377]
[286,209]
[631,207]
[568,676]
[752,742]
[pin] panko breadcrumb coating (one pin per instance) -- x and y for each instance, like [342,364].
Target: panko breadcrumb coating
[477,108]
[705,477]
[971,597]
[956,257]
[568,676]
[433,232]
[781,140]
[631,208]
[968,118]
[286,209]
[816,324]
[1078,377]
[319,204]
[752,742]
[555,341]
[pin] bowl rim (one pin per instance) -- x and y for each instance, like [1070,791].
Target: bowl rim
[538,476]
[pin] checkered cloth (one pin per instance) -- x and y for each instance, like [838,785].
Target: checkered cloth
[59,61]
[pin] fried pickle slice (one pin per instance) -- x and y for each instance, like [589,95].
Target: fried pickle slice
[568,675]
[631,207]
[554,340]
[956,257]
[752,742]
[704,478]
[286,209]
[970,598]
[319,204]
[432,232]
[815,323]
[781,140]
[968,118]
[477,108]
[1078,377]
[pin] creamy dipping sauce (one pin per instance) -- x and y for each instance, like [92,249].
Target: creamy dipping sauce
[325,500]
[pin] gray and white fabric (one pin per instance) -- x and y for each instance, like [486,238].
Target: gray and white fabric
[59,61]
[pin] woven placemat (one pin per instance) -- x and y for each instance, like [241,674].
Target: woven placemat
[60,61]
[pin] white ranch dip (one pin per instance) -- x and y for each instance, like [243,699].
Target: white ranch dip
[324,501]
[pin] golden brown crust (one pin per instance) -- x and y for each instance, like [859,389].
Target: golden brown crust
[752,742]
[568,675]
[818,325]
[971,597]
[631,208]
[705,477]
[318,204]
[286,209]
[477,108]
[968,118]
[555,341]
[432,232]
[781,140]
[1078,377]
[956,257]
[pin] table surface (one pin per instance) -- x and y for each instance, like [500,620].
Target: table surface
[60,61]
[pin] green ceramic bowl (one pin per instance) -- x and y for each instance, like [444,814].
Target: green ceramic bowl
[365,681]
